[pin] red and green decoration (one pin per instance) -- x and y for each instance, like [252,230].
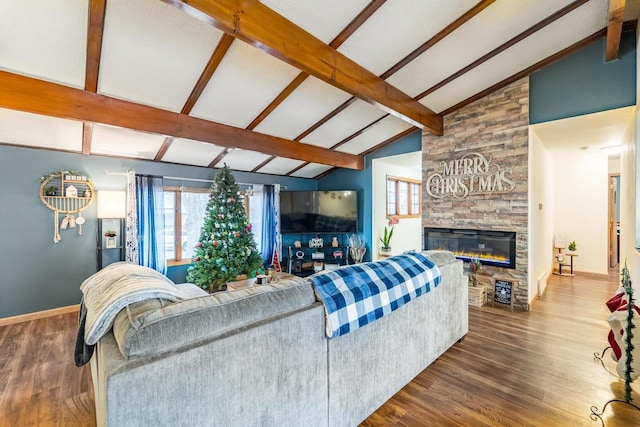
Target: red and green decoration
[226,248]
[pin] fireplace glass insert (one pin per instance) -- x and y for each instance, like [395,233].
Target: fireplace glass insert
[497,248]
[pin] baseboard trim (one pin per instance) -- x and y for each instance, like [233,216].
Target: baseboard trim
[598,276]
[39,315]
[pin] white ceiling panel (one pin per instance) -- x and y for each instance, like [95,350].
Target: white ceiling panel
[377,45]
[246,81]
[153,53]
[114,141]
[386,128]
[190,152]
[505,18]
[280,166]
[56,51]
[309,103]
[324,19]
[346,123]
[311,170]
[34,130]
[242,160]
[589,19]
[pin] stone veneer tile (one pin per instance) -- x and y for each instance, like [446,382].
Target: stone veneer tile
[496,126]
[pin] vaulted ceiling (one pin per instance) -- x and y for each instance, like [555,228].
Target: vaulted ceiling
[285,87]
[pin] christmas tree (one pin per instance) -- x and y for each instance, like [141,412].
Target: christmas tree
[226,247]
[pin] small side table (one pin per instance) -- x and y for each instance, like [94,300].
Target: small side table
[564,263]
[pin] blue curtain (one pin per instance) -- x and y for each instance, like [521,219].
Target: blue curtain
[269,221]
[150,212]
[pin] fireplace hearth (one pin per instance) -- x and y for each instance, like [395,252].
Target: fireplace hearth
[496,248]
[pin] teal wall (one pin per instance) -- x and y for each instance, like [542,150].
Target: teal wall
[584,83]
[344,179]
[35,273]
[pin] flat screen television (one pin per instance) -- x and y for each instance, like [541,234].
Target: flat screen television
[319,211]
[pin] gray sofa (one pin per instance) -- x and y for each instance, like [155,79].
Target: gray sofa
[260,357]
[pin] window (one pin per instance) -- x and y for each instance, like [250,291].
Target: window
[404,197]
[184,211]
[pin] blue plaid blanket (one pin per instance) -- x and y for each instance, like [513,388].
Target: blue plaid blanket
[356,295]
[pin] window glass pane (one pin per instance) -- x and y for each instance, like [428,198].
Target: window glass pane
[391,197]
[415,199]
[193,207]
[169,224]
[403,197]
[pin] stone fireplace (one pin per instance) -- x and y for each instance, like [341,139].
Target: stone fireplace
[475,184]
[495,248]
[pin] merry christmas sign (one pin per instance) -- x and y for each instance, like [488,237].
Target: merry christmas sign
[473,173]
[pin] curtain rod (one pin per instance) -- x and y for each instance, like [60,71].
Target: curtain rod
[177,178]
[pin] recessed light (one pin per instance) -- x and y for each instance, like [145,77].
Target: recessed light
[584,147]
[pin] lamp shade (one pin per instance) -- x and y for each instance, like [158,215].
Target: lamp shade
[111,204]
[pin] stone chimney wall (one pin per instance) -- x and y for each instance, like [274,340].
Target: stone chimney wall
[497,128]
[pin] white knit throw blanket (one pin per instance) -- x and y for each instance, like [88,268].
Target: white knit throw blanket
[116,286]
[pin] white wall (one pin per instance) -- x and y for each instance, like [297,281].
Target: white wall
[407,234]
[541,191]
[580,201]
[628,192]
[614,165]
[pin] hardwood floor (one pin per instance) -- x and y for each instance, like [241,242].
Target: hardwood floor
[512,369]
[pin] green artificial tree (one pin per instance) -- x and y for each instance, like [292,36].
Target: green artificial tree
[226,248]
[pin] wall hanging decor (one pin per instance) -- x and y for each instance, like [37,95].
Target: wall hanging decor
[68,193]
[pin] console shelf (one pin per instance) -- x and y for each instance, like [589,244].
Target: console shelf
[304,261]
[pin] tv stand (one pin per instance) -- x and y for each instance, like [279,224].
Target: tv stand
[304,261]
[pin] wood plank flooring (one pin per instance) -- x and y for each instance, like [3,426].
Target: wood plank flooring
[513,369]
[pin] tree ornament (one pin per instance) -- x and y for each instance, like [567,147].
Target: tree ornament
[220,216]
[197,259]
[237,234]
[215,243]
[199,244]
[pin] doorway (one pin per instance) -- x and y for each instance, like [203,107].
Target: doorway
[614,220]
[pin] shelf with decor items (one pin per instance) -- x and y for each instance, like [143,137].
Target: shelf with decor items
[304,261]
[67,193]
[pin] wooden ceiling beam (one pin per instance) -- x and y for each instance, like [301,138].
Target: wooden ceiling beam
[95,31]
[300,78]
[527,71]
[614,28]
[531,30]
[256,24]
[465,17]
[87,137]
[36,96]
[212,65]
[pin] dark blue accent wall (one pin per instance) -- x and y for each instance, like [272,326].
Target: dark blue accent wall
[346,179]
[37,274]
[584,83]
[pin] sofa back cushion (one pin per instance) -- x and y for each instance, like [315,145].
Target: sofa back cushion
[157,326]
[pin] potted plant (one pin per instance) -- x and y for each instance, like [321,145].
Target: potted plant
[111,239]
[50,190]
[572,246]
[388,234]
